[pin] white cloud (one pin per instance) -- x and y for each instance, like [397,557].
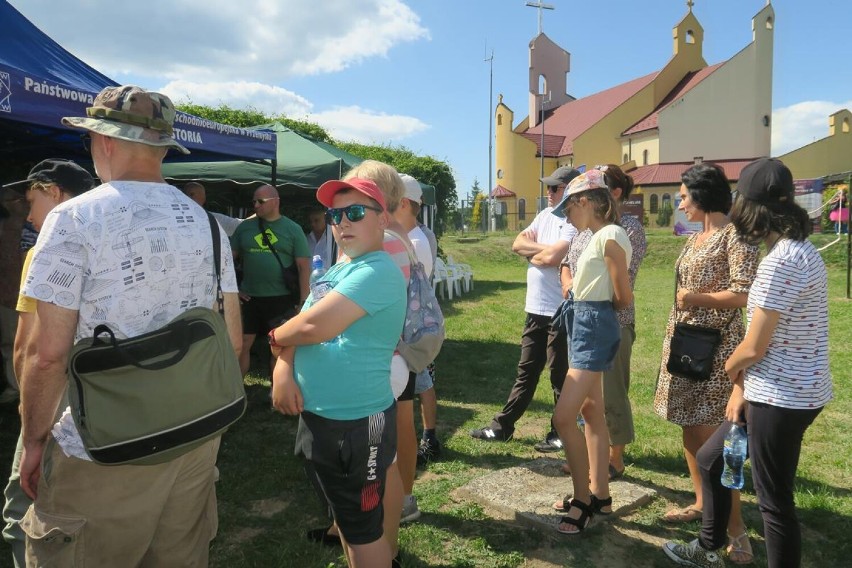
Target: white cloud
[269,99]
[802,123]
[355,124]
[222,40]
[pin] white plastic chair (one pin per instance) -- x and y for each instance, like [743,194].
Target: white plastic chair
[465,272]
[450,278]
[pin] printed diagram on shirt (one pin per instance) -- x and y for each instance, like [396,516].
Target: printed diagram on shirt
[138,256]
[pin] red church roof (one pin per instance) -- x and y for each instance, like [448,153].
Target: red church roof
[686,84]
[500,191]
[575,117]
[669,173]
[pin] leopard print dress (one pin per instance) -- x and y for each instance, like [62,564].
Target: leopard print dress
[721,262]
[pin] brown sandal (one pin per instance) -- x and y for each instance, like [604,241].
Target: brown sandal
[685,515]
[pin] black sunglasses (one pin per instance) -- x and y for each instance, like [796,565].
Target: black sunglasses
[354,213]
[86,140]
[553,188]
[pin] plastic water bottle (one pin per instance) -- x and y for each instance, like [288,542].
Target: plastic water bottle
[317,271]
[736,447]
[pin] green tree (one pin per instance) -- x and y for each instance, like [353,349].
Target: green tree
[425,169]
[251,116]
[665,214]
[475,192]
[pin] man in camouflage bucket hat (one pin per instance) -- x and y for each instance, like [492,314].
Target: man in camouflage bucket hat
[133,114]
[133,253]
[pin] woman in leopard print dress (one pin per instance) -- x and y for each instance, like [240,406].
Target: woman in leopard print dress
[715,270]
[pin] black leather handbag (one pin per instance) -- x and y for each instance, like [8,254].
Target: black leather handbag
[692,350]
[693,347]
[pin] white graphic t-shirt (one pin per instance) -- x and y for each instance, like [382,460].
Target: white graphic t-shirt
[131,255]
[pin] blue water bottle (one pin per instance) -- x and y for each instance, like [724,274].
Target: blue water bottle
[734,453]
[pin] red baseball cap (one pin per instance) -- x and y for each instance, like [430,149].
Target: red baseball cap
[327,191]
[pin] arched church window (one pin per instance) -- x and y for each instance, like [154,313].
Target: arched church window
[624,159]
[690,36]
[655,203]
[522,209]
[845,126]
[644,157]
[542,85]
[667,200]
[769,23]
[500,119]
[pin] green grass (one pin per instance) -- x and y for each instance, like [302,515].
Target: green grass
[265,503]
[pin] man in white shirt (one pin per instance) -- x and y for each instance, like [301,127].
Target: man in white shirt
[319,238]
[135,253]
[544,244]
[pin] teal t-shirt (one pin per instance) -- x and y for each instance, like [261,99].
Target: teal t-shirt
[348,377]
[261,272]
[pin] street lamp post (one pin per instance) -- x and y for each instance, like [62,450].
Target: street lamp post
[491,200]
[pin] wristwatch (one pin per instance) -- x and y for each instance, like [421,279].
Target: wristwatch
[271,337]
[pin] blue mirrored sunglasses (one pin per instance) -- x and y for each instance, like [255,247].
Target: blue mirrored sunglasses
[354,213]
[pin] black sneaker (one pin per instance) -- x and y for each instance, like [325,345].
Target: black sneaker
[550,444]
[429,450]
[489,434]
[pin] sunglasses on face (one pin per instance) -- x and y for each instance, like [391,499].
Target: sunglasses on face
[553,188]
[262,200]
[354,213]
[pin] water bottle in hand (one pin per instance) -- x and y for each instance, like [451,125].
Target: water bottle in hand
[317,270]
[318,287]
[734,453]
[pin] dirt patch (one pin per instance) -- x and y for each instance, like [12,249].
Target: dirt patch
[267,508]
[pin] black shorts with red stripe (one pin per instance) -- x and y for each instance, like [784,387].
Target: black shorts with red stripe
[347,460]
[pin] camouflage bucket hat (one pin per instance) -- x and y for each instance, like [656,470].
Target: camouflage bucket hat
[133,114]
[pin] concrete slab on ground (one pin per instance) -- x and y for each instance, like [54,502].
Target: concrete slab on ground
[526,493]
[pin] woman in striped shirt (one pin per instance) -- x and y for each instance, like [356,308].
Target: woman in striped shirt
[780,370]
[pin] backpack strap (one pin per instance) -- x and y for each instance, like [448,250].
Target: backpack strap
[412,258]
[217,260]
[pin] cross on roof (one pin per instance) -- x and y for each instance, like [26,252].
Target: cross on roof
[542,6]
[690,4]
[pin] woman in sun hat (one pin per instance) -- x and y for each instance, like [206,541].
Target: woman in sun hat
[600,285]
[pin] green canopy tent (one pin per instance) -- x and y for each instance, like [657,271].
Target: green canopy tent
[301,166]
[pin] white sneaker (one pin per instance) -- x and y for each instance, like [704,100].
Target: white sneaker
[410,512]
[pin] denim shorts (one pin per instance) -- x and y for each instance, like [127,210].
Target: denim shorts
[594,335]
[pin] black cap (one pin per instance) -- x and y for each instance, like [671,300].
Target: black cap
[66,174]
[766,181]
[560,176]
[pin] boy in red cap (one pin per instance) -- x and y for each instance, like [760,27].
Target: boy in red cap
[333,368]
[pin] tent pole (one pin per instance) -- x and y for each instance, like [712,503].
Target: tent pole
[274,172]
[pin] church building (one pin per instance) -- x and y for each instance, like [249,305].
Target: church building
[654,126]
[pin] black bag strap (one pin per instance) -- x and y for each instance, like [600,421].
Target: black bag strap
[265,238]
[217,261]
[677,281]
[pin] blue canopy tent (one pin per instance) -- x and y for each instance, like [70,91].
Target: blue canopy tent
[40,82]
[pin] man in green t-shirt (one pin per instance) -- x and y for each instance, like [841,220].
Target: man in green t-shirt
[270,246]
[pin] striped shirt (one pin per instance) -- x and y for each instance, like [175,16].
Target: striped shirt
[794,373]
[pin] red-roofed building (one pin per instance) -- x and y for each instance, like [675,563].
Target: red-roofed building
[657,125]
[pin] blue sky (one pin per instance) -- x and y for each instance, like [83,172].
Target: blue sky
[412,72]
